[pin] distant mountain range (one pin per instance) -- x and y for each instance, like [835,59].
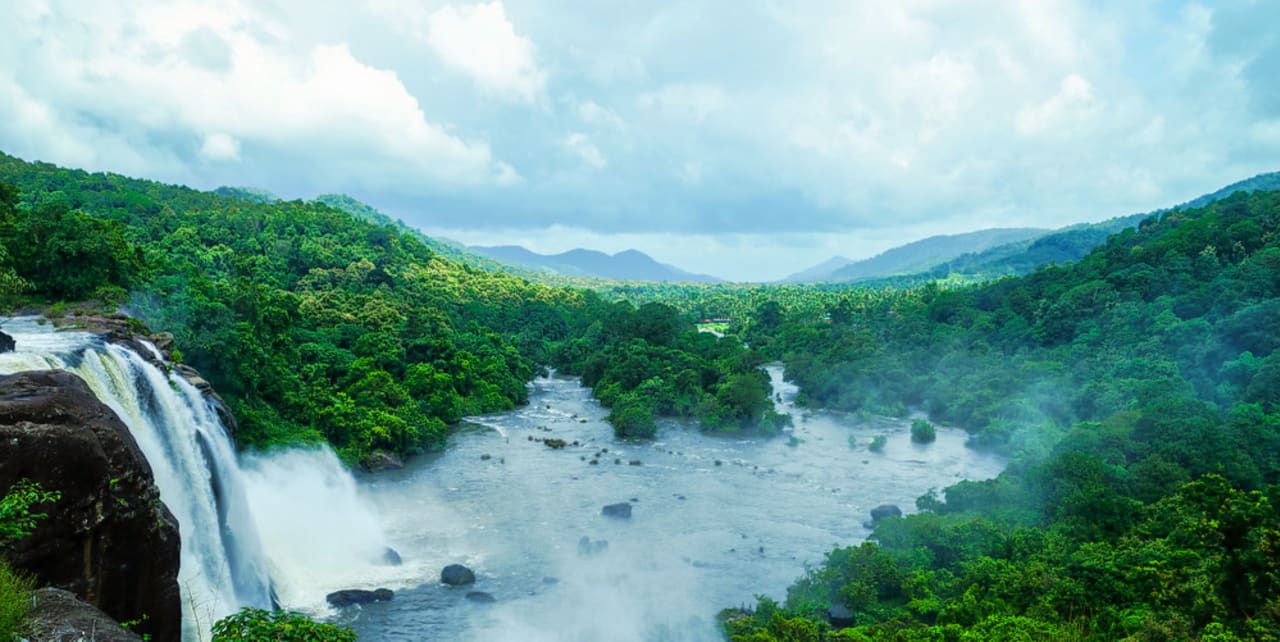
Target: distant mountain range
[914,257]
[630,265]
[988,254]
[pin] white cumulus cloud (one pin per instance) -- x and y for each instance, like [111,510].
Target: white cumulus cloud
[481,42]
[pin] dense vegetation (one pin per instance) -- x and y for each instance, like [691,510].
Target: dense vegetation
[1138,392]
[257,625]
[19,508]
[317,326]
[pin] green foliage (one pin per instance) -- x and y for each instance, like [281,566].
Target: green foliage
[17,517]
[923,432]
[15,601]
[1137,394]
[878,443]
[316,326]
[257,625]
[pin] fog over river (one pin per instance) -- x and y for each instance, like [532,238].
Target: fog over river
[715,522]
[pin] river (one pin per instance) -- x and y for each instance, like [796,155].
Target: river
[716,521]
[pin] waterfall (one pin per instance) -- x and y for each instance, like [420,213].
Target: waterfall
[190,453]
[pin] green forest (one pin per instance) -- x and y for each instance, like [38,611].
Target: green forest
[317,326]
[1136,391]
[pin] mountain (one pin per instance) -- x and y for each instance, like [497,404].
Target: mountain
[1074,242]
[917,256]
[818,272]
[629,265]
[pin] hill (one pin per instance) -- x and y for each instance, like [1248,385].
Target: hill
[1137,393]
[915,257]
[315,325]
[629,265]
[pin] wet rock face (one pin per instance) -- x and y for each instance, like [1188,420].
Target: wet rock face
[109,540]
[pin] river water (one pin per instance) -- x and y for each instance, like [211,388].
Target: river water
[716,521]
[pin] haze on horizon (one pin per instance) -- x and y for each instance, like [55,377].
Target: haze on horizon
[745,139]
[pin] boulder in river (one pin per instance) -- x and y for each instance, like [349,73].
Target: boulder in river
[457,575]
[621,510]
[7,344]
[58,615]
[555,444]
[358,596]
[390,557]
[109,539]
[885,510]
[480,597]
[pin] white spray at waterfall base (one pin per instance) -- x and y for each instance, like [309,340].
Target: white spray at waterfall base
[318,533]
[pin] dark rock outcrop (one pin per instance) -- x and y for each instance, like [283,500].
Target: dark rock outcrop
[621,510]
[480,597]
[885,510]
[390,557]
[7,344]
[59,616]
[380,460]
[358,596]
[109,539]
[457,575]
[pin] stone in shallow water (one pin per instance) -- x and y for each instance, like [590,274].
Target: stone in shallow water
[358,596]
[480,597]
[621,510]
[457,575]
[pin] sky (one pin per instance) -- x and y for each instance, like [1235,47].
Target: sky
[747,139]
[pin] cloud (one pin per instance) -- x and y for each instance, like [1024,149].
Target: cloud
[220,147]
[479,41]
[159,83]
[586,150]
[874,121]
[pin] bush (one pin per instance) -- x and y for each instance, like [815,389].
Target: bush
[878,443]
[922,431]
[15,599]
[257,625]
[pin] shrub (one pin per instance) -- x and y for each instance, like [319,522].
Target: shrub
[922,431]
[254,625]
[15,599]
[878,443]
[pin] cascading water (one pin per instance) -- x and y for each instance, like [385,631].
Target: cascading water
[190,453]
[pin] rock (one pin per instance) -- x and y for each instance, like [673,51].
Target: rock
[194,378]
[621,510]
[109,539]
[380,460]
[358,596]
[390,557]
[635,462]
[885,510]
[7,344]
[556,444]
[480,597]
[588,547]
[550,580]
[163,342]
[59,616]
[457,575]
[839,616]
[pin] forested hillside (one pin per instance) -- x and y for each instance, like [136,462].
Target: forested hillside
[315,325]
[1138,392]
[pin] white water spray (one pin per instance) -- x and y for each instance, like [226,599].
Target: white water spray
[316,536]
